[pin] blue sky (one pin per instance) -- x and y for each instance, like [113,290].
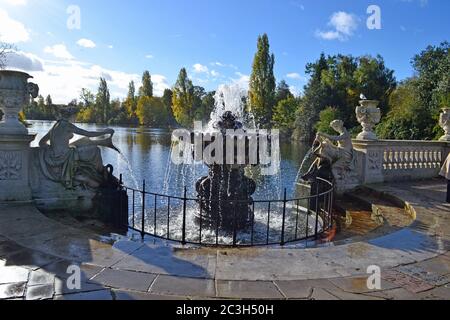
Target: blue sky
[215,40]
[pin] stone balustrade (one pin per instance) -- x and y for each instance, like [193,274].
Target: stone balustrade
[395,160]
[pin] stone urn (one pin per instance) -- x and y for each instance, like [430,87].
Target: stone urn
[444,122]
[368,115]
[15,91]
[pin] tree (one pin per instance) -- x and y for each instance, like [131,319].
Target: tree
[183,99]
[130,103]
[416,102]
[337,81]
[48,101]
[4,49]
[262,83]
[167,101]
[151,111]
[283,92]
[102,102]
[326,116]
[433,83]
[284,114]
[315,96]
[146,90]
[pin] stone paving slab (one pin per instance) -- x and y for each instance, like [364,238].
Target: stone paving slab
[359,284]
[170,261]
[12,290]
[61,288]
[406,281]
[248,290]
[93,295]
[40,292]
[180,286]
[13,274]
[131,295]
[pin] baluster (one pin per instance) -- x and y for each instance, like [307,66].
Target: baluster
[401,156]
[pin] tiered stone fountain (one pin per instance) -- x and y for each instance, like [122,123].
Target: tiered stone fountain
[225,194]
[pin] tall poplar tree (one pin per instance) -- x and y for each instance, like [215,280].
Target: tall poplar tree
[183,99]
[262,83]
[102,101]
[147,85]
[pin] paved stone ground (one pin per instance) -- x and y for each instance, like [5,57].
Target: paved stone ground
[35,253]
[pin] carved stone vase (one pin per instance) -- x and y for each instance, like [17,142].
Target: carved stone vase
[368,115]
[15,91]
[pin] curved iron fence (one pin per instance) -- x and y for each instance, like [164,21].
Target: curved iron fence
[273,222]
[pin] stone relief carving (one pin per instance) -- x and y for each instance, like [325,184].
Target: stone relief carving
[10,165]
[374,160]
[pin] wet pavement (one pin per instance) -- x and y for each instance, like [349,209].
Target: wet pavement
[36,254]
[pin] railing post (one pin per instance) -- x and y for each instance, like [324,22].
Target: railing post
[143,211]
[283,224]
[234,224]
[317,210]
[183,237]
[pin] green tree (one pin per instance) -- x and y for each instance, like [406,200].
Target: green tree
[183,99]
[284,114]
[167,101]
[102,102]
[282,92]
[262,83]
[146,90]
[325,117]
[152,112]
[130,103]
[338,81]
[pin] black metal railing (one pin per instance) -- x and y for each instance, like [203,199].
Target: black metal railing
[273,222]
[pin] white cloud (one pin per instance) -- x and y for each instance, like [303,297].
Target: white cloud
[12,31]
[199,68]
[149,56]
[59,51]
[344,25]
[110,46]
[294,75]
[19,60]
[214,73]
[64,79]
[86,43]
[242,81]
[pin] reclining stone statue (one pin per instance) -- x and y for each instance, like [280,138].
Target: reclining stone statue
[63,169]
[334,154]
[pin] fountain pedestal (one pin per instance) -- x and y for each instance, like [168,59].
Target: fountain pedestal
[225,195]
[225,198]
[14,138]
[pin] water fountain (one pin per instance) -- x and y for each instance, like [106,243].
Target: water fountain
[225,194]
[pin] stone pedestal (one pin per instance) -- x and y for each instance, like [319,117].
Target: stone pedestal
[14,167]
[15,91]
[369,160]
